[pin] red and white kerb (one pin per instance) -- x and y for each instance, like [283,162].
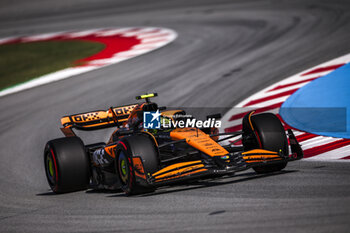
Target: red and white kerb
[271,98]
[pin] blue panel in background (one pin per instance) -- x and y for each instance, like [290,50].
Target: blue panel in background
[322,106]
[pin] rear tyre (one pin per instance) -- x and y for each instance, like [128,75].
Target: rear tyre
[67,165]
[268,134]
[133,180]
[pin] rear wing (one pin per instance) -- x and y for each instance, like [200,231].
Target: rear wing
[97,119]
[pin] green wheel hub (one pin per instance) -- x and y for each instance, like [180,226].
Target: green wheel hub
[123,167]
[50,169]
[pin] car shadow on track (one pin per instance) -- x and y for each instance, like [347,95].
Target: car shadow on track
[197,184]
[48,193]
[185,186]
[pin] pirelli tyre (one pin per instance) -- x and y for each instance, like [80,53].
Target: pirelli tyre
[136,156]
[267,133]
[67,165]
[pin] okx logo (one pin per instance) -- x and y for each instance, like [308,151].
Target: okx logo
[151,120]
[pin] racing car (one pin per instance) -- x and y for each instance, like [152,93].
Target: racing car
[138,160]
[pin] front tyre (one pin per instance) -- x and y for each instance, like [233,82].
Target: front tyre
[136,156]
[265,131]
[67,165]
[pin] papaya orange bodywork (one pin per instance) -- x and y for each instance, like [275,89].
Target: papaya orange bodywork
[164,175]
[110,150]
[199,140]
[260,155]
[139,170]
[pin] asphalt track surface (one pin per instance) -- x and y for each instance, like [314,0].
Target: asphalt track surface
[226,50]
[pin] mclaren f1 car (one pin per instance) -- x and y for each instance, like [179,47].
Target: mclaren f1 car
[138,160]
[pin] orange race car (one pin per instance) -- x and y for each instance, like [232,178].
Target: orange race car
[153,147]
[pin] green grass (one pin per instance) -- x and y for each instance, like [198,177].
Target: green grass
[24,61]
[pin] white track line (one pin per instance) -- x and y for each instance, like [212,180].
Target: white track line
[41,37]
[268,102]
[6,40]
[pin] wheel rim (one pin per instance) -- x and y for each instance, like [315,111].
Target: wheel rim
[50,169]
[123,167]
